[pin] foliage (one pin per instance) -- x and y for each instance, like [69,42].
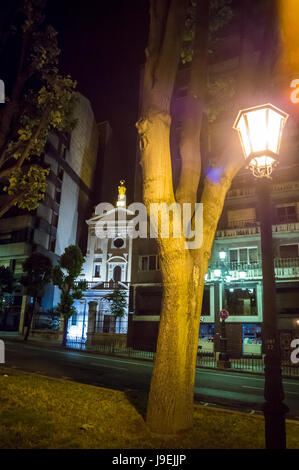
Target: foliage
[41,100]
[220,89]
[7,281]
[118,300]
[220,15]
[65,275]
[37,273]
[30,184]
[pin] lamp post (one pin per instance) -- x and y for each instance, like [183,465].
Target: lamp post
[260,131]
[222,273]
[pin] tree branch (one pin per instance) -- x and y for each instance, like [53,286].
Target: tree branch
[165,42]
[10,202]
[190,137]
[7,172]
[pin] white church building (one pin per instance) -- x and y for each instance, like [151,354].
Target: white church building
[107,267]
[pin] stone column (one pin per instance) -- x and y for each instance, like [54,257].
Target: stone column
[92,312]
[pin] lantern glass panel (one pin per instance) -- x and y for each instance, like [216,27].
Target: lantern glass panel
[244,134]
[274,130]
[258,132]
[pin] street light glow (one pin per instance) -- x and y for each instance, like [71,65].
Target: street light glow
[260,131]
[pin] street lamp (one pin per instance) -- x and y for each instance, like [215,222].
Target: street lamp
[260,131]
[223,276]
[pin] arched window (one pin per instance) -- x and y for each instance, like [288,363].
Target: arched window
[117,273]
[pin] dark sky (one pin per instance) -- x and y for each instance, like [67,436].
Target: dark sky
[102,47]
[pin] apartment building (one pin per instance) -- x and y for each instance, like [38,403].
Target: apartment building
[59,220]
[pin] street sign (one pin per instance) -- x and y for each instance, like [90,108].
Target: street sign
[224,314]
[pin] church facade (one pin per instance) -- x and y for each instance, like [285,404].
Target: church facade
[107,270]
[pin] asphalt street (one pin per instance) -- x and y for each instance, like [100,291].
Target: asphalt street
[232,389]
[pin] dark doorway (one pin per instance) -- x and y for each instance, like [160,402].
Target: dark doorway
[117,274]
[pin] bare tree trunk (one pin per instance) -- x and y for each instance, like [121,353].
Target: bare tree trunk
[170,404]
[31,315]
[65,328]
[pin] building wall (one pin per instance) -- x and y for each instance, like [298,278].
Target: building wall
[60,218]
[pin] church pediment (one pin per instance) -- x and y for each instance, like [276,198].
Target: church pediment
[113,215]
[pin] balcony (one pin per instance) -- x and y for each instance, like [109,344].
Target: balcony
[285,268]
[250,227]
[247,191]
[238,228]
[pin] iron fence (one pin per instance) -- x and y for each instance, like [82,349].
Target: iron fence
[111,325]
[251,364]
[45,322]
[76,343]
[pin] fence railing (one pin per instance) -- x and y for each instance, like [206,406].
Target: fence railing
[45,322]
[111,325]
[249,364]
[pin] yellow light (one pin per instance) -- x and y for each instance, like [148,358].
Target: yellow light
[260,132]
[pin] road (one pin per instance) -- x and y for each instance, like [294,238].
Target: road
[232,389]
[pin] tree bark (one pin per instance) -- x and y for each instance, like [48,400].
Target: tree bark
[65,328]
[30,320]
[170,404]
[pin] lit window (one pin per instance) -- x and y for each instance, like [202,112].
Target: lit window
[241,302]
[243,255]
[233,256]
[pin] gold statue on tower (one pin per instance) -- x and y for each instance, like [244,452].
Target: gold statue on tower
[121,200]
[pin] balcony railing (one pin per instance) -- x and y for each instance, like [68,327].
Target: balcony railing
[284,268]
[247,191]
[250,227]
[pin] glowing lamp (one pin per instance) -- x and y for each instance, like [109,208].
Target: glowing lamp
[222,255]
[217,272]
[260,131]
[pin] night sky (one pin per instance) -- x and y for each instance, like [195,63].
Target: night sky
[102,47]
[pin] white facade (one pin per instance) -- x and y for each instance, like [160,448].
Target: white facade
[107,267]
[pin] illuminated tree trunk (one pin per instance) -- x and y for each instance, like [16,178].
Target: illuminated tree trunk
[170,404]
